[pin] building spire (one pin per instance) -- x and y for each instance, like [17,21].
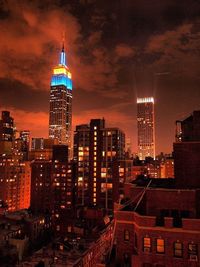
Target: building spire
[63,55]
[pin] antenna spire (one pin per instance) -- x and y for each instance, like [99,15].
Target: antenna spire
[63,55]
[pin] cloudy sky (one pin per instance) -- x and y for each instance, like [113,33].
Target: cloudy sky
[116,50]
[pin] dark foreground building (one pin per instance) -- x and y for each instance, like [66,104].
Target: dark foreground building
[187,152]
[163,229]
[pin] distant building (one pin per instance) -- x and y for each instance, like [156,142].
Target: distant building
[6,127]
[146,127]
[15,179]
[187,152]
[167,168]
[60,115]
[52,186]
[41,186]
[96,151]
[37,143]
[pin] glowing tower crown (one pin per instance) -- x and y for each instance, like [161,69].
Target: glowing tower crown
[61,74]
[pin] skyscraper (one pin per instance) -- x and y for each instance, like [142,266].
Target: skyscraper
[60,116]
[146,127]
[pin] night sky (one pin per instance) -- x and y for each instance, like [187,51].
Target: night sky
[116,50]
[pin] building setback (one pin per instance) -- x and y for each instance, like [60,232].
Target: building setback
[146,127]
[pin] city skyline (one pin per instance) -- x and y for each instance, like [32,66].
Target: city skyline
[114,65]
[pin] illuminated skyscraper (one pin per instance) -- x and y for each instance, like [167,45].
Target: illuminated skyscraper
[60,116]
[146,127]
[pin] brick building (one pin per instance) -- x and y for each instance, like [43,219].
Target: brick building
[163,230]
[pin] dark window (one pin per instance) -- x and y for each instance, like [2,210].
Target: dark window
[160,245]
[185,214]
[126,235]
[178,249]
[160,221]
[177,221]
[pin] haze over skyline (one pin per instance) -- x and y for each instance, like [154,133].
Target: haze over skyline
[116,51]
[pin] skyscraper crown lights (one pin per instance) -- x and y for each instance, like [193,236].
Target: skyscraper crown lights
[61,74]
[145,100]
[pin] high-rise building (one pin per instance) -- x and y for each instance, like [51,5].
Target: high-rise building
[60,116]
[96,151]
[146,127]
[52,186]
[6,127]
[15,179]
[6,133]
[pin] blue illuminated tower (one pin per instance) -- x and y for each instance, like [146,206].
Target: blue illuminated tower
[60,116]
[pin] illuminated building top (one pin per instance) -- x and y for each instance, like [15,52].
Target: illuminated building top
[145,100]
[61,74]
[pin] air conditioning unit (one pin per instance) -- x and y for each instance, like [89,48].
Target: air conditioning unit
[193,258]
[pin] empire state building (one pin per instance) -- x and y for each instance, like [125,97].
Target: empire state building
[60,115]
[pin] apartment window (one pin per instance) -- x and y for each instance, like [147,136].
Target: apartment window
[192,250]
[147,244]
[160,245]
[178,249]
[126,235]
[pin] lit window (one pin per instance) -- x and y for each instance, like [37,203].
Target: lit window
[147,244]
[95,164]
[94,195]
[95,143]
[95,127]
[95,133]
[126,235]
[160,245]
[178,249]
[95,184]
[95,158]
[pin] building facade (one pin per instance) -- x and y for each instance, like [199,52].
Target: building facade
[15,183]
[146,127]
[60,116]
[96,151]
